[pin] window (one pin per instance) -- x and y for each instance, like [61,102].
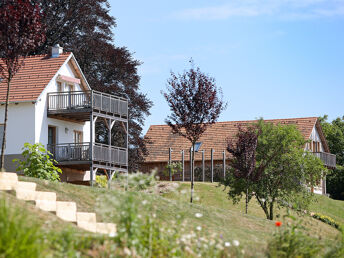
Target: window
[78,135]
[51,135]
[197,146]
[69,87]
[59,86]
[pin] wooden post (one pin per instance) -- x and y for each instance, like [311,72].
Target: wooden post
[212,165]
[183,169]
[203,168]
[169,163]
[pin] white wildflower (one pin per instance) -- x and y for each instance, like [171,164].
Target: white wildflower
[198,215]
[112,234]
[199,228]
[196,198]
[263,200]
[236,243]
[227,244]
[144,202]
[154,215]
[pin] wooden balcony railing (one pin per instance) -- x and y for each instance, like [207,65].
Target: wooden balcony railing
[328,158]
[74,152]
[75,101]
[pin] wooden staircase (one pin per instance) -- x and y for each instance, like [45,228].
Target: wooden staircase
[47,201]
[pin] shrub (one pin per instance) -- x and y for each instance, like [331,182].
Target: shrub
[292,242]
[38,162]
[19,236]
[326,219]
[101,181]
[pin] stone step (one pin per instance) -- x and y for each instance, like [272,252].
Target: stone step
[89,217]
[12,176]
[106,228]
[46,205]
[27,195]
[66,211]
[26,186]
[88,226]
[7,185]
[45,196]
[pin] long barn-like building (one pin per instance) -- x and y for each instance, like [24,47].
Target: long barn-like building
[163,145]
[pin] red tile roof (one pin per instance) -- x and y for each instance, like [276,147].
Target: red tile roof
[32,78]
[160,138]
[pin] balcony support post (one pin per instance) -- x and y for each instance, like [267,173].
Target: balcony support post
[91,147]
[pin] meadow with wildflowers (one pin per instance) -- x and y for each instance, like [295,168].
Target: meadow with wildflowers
[151,224]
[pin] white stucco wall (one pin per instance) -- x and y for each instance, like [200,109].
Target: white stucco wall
[20,126]
[64,129]
[28,122]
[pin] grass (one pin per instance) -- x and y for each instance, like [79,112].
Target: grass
[220,216]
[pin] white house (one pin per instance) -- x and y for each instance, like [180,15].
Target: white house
[52,103]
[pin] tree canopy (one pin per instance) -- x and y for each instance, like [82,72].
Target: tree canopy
[21,31]
[85,27]
[195,103]
[286,172]
[334,133]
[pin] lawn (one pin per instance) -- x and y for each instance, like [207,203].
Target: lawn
[219,215]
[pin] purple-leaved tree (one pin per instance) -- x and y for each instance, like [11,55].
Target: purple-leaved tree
[196,103]
[21,31]
[243,160]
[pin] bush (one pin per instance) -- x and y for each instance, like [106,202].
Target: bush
[326,219]
[292,242]
[19,236]
[137,181]
[335,183]
[38,162]
[101,181]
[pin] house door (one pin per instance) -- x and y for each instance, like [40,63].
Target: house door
[52,140]
[78,137]
[51,135]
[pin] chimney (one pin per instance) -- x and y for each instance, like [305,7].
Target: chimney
[56,50]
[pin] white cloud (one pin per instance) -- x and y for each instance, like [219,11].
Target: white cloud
[290,9]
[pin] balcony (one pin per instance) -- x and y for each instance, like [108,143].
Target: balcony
[80,154]
[328,158]
[78,105]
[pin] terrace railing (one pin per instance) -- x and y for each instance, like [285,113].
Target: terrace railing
[113,155]
[328,158]
[81,152]
[78,100]
[70,151]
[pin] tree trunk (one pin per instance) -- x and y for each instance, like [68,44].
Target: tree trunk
[2,165]
[246,200]
[271,210]
[192,170]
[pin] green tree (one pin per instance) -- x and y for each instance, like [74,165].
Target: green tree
[38,162]
[334,133]
[286,172]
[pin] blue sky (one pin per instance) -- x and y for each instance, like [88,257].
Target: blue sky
[272,58]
